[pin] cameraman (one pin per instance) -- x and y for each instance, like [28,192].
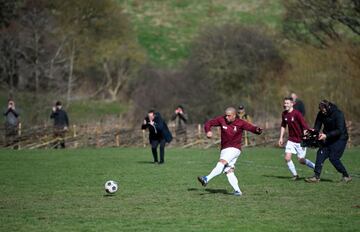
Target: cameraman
[180,118]
[334,137]
[159,134]
[61,124]
[11,124]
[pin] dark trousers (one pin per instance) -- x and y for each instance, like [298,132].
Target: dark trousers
[59,135]
[154,145]
[11,136]
[334,152]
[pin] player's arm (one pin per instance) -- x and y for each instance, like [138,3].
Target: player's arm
[282,131]
[303,123]
[252,128]
[281,138]
[211,123]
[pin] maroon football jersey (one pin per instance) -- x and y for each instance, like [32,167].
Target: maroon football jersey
[296,125]
[231,133]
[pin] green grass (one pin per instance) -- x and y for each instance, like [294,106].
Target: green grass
[62,190]
[166,28]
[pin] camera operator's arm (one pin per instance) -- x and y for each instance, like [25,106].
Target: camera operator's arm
[183,116]
[340,126]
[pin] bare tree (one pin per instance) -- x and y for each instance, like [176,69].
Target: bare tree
[321,22]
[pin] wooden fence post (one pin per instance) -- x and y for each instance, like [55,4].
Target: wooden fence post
[97,135]
[144,139]
[349,125]
[117,136]
[19,135]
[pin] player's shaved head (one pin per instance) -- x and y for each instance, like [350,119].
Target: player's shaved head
[230,114]
[231,110]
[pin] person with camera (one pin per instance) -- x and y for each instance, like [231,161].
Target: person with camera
[244,116]
[180,118]
[334,137]
[159,134]
[297,127]
[61,124]
[12,121]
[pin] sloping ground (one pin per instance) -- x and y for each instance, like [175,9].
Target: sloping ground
[166,28]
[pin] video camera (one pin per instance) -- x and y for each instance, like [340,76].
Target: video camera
[311,139]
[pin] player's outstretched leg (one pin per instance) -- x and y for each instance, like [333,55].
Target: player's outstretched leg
[215,172]
[234,182]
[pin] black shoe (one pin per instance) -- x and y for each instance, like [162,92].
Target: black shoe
[202,180]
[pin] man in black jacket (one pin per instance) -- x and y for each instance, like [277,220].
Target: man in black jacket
[61,124]
[180,118]
[334,137]
[298,104]
[11,124]
[159,134]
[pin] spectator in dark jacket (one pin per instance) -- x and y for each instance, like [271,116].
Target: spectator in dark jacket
[159,134]
[180,118]
[61,124]
[11,123]
[298,104]
[334,136]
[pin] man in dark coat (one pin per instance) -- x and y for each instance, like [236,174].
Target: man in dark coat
[298,104]
[61,124]
[159,134]
[11,123]
[334,137]
[180,118]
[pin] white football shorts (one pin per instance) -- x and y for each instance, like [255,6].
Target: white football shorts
[295,148]
[230,154]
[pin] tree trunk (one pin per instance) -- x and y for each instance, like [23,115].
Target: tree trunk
[70,79]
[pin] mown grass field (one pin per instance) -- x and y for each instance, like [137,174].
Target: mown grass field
[62,190]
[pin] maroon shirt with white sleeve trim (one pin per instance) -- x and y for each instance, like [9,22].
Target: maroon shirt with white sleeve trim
[231,133]
[296,125]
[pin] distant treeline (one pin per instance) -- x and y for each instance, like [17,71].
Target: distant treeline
[89,48]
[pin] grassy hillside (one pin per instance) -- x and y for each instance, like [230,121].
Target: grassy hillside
[165,28]
[79,111]
[62,190]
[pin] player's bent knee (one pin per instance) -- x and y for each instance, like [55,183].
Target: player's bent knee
[302,160]
[229,171]
[224,162]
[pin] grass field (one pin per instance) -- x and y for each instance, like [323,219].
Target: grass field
[62,190]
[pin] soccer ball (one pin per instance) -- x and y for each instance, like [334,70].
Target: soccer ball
[111,186]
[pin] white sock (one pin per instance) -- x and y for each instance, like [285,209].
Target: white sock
[216,171]
[292,169]
[233,181]
[309,164]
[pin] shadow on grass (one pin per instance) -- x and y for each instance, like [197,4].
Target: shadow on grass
[210,191]
[145,162]
[289,178]
[109,195]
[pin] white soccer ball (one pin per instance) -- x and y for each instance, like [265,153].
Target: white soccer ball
[111,186]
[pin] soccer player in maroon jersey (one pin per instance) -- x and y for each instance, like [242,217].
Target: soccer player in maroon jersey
[297,126]
[231,134]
